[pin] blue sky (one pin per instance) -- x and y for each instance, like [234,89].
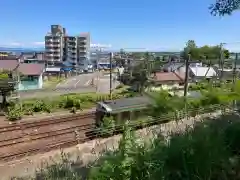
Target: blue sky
[152,24]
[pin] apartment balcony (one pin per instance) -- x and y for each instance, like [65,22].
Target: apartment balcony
[49,55]
[56,53]
[49,50]
[57,50]
[56,40]
[47,44]
[72,40]
[74,59]
[49,40]
[56,45]
[72,45]
[82,50]
[72,50]
[82,39]
[82,55]
[72,55]
[83,45]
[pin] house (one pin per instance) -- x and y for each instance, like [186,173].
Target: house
[8,56]
[227,74]
[174,66]
[40,56]
[33,61]
[31,75]
[8,65]
[27,55]
[167,80]
[198,73]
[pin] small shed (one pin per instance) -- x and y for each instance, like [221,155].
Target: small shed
[123,109]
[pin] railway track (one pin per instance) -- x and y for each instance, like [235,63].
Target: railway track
[17,147]
[46,121]
[48,140]
[51,146]
[42,135]
[20,129]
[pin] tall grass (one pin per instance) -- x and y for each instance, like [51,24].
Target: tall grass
[208,151]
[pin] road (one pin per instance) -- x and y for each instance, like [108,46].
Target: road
[77,81]
[104,84]
[78,84]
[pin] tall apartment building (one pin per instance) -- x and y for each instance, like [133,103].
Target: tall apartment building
[61,47]
[54,43]
[83,48]
[70,50]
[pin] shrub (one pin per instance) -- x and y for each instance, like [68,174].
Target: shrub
[14,112]
[199,153]
[107,126]
[120,86]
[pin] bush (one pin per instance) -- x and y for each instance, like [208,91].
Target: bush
[107,127]
[199,153]
[206,151]
[14,112]
[120,86]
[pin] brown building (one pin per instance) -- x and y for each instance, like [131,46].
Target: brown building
[168,78]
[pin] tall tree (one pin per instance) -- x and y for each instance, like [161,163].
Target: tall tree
[190,48]
[203,53]
[191,44]
[224,7]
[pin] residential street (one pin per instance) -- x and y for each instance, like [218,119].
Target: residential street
[82,80]
[73,85]
[104,84]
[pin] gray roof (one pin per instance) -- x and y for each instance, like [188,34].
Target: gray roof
[126,104]
[172,66]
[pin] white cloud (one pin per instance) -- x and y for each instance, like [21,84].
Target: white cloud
[40,43]
[100,45]
[12,44]
[16,44]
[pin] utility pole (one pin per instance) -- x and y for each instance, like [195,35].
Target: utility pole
[98,71]
[221,61]
[186,83]
[234,69]
[110,54]
[186,75]
[234,78]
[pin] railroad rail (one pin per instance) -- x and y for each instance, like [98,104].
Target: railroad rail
[51,146]
[44,141]
[55,137]
[45,121]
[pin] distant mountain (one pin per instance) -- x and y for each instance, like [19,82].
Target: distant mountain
[17,50]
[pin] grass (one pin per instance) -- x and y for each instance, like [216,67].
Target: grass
[121,88]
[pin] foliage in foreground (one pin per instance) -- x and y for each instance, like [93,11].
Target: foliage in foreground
[224,7]
[208,151]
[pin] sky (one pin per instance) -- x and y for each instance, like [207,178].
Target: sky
[161,25]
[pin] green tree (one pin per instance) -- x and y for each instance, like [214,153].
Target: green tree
[204,52]
[224,7]
[190,48]
[140,79]
[191,44]
[7,85]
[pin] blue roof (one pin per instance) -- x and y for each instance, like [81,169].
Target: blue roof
[66,69]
